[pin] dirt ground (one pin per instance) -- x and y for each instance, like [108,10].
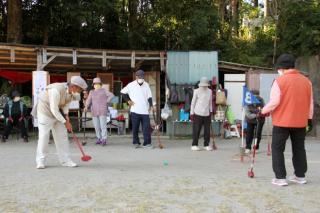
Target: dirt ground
[123,179]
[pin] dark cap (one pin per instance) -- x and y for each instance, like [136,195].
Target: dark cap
[140,74]
[15,94]
[285,61]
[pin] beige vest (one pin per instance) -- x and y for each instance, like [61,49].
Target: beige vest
[43,103]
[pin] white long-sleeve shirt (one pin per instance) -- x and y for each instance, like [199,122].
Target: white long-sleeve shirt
[201,103]
[55,97]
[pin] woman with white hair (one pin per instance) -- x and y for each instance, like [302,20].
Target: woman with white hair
[98,103]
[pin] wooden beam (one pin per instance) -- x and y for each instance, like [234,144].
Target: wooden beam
[48,61]
[39,60]
[12,55]
[7,58]
[74,57]
[133,59]
[17,48]
[104,59]
[17,64]
[138,65]
[44,55]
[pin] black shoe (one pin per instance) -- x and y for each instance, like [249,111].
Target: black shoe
[3,139]
[25,139]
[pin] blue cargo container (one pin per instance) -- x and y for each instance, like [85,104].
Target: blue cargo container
[189,67]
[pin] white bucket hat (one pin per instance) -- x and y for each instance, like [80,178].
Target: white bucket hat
[78,81]
[96,81]
[204,82]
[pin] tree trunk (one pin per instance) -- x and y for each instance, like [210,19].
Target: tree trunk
[222,9]
[4,18]
[14,31]
[133,7]
[266,9]
[235,16]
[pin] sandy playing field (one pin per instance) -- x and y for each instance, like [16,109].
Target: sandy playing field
[123,179]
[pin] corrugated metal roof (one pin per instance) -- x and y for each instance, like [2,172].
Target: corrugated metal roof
[189,67]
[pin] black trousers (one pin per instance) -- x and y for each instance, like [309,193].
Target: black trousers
[16,122]
[146,128]
[250,134]
[198,122]
[299,158]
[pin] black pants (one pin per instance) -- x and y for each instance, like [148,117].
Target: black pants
[250,134]
[146,128]
[198,122]
[299,158]
[16,122]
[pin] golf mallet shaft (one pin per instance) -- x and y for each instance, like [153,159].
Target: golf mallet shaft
[157,127]
[250,172]
[214,146]
[84,128]
[269,142]
[84,156]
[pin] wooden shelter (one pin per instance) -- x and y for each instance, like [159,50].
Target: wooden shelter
[64,59]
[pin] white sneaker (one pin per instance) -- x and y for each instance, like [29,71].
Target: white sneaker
[40,166]
[148,146]
[247,151]
[69,164]
[208,148]
[300,180]
[195,148]
[279,182]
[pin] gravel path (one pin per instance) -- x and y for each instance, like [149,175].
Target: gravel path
[123,179]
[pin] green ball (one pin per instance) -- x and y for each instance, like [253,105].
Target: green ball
[165,163]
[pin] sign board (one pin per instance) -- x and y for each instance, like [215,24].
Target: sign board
[40,79]
[234,83]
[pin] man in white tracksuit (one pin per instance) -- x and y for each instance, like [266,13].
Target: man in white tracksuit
[52,102]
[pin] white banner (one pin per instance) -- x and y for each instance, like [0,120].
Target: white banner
[40,79]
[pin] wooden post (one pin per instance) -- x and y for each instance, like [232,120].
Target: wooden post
[133,59]
[39,60]
[74,57]
[104,59]
[162,65]
[12,55]
[44,55]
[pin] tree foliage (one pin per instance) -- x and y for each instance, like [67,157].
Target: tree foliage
[299,27]
[238,29]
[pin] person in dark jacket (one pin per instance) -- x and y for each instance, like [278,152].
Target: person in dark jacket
[15,112]
[254,122]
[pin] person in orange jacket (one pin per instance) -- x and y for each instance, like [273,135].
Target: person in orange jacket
[291,107]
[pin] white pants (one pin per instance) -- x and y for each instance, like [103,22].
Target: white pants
[100,126]
[60,136]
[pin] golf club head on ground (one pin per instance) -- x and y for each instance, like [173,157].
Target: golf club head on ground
[214,146]
[86,158]
[250,174]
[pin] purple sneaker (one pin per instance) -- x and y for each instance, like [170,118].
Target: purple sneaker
[104,142]
[98,141]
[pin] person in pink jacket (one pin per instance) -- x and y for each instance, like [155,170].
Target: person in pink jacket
[97,102]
